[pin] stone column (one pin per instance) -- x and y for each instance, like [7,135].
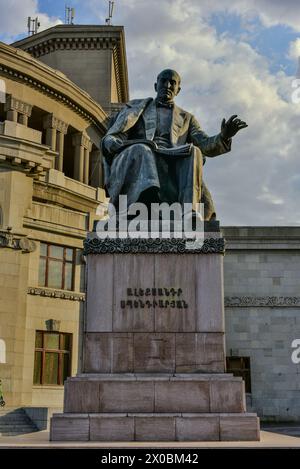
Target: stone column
[55,134]
[97,168]
[15,108]
[23,119]
[51,138]
[87,163]
[12,115]
[82,154]
[60,147]
[78,162]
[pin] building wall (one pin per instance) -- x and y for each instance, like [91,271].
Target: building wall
[114,88]
[15,198]
[90,70]
[262,299]
[23,313]
[13,293]
[40,204]
[41,309]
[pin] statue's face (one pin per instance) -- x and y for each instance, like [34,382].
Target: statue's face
[167,86]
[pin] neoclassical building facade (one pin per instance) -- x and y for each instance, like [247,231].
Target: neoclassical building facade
[51,191]
[57,90]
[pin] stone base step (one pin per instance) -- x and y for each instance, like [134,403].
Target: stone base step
[155,427]
[155,393]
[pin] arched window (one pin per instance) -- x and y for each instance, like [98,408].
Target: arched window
[2,351]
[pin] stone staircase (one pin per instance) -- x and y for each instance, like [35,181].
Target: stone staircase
[15,421]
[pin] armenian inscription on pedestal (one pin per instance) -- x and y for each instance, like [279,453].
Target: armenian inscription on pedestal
[154,298]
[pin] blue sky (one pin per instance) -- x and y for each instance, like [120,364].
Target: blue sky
[235,57]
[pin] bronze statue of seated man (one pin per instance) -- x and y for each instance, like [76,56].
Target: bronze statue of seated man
[154,150]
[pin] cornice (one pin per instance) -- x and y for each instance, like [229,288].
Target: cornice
[26,156]
[119,56]
[52,293]
[81,139]
[52,122]
[48,192]
[68,43]
[11,241]
[17,105]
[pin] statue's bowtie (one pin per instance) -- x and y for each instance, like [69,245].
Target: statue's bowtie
[162,104]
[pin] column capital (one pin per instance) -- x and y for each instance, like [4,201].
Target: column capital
[15,104]
[82,140]
[52,122]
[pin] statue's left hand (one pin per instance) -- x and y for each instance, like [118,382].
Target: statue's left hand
[232,126]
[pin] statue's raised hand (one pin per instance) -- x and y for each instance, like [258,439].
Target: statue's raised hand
[232,126]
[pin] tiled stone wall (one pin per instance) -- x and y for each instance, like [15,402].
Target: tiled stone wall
[262,268]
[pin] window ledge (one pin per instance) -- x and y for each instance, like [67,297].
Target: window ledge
[55,293]
[58,387]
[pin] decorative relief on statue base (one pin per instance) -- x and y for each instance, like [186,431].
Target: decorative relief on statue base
[261,301]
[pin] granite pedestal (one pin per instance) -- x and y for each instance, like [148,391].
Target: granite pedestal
[153,348]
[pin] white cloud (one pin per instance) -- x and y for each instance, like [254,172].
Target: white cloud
[294,49]
[14,14]
[270,12]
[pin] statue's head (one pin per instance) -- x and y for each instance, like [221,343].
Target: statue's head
[167,85]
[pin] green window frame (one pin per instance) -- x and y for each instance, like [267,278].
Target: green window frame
[52,358]
[57,266]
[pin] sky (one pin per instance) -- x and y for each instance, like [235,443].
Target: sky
[234,57]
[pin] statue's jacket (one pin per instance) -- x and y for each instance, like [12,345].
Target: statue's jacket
[138,120]
[184,129]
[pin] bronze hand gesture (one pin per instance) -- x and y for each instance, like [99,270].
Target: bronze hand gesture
[232,126]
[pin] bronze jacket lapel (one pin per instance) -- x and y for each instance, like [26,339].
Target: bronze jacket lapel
[150,120]
[128,116]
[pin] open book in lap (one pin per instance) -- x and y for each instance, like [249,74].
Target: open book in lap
[179,151]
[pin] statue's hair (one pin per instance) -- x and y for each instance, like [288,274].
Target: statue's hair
[169,70]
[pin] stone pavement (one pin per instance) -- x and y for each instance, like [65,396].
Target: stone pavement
[272,436]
